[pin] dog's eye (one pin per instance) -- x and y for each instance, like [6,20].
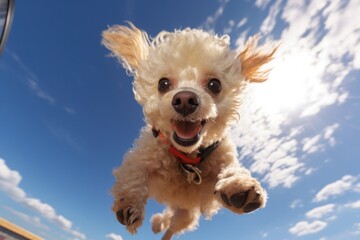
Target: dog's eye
[164,85]
[214,86]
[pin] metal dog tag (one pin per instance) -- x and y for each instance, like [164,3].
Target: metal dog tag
[191,173]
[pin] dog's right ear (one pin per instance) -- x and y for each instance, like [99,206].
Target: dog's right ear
[129,44]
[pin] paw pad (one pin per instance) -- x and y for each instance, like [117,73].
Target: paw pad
[241,201]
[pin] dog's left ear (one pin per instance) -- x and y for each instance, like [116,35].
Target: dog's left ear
[129,44]
[253,59]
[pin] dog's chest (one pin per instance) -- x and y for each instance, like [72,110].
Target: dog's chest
[169,184]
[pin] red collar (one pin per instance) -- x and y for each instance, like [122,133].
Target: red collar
[183,157]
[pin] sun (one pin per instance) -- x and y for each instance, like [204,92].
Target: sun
[288,86]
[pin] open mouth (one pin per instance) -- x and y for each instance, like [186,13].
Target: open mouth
[187,133]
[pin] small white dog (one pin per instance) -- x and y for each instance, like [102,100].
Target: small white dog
[189,84]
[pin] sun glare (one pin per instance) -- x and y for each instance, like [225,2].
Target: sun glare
[287,88]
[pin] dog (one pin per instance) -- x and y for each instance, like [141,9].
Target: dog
[189,83]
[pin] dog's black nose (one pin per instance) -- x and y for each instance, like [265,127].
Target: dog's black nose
[185,102]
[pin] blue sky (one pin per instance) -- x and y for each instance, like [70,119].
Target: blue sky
[67,116]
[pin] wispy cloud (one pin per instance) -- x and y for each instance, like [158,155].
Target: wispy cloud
[230,27]
[336,188]
[33,220]
[34,86]
[69,110]
[357,229]
[305,228]
[9,184]
[297,203]
[242,22]
[210,22]
[63,135]
[31,79]
[113,236]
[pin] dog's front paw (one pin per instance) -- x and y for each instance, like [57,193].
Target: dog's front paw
[130,215]
[240,194]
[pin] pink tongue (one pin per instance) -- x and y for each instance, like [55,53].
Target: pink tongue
[186,130]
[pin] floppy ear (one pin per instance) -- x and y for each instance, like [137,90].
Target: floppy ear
[253,58]
[129,44]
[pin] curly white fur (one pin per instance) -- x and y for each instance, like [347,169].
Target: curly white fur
[188,59]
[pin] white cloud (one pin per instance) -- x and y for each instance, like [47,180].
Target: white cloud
[9,184]
[284,175]
[261,3]
[306,78]
[355,204]
[329,132]
[305,228]
[317,142]
[241,40]
[336,188]
[113,236]
[320,212]
[269,23]
[312,144]
[9,180]
[46,211]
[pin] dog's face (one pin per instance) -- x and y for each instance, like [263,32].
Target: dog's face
[189,82]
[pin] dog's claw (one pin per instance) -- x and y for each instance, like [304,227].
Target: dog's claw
[120,217]
[128,216]
[133,219]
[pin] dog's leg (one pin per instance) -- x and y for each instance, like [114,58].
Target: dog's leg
[161,221]
[181,221]
[130,192]
[238,191]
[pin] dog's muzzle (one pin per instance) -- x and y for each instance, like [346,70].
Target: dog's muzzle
[186,132]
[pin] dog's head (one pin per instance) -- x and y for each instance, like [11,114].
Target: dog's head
[189,82]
